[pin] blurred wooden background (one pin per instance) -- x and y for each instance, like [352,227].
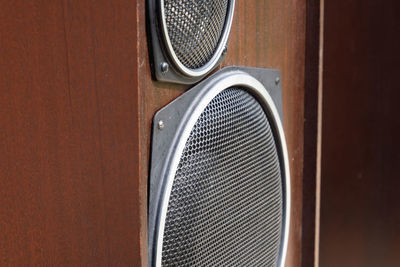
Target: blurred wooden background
[360,211]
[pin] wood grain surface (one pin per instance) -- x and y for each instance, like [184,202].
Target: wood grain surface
[69,187]
[360,211]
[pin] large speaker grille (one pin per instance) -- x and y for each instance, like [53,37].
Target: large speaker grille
[226,202]
[195,28]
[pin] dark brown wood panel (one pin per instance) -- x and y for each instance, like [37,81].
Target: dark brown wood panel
[267,34]
[360,211]
[69,187]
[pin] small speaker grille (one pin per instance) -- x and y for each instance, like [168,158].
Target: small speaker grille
[195,28]
[226,202]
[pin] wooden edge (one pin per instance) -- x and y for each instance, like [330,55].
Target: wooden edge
[312,132]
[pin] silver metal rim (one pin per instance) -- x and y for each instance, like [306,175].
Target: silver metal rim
[185,128]
[214,60]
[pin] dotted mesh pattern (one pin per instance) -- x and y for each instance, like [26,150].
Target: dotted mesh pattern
[225,207]
[195,28]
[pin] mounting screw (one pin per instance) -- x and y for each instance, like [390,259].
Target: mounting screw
[164,67]
[161,125]
[277,80]
[225,51]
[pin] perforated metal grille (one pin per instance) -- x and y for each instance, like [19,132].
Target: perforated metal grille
[226,203]
[195,28]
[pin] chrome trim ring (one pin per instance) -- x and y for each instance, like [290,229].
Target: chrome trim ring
[208,93]
[218,52]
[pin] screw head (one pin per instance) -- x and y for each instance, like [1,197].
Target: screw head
[164,67]
[225,51]
[161,125]
[277,80]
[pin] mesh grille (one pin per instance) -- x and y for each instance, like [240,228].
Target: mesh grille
[226,202]
[195,28]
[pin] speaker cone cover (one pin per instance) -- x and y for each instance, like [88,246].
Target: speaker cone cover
[224,193]
[192,36]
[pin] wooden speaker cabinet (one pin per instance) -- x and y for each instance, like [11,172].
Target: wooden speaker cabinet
[77,102]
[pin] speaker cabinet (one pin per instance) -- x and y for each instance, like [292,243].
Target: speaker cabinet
[219,183]
[187,38]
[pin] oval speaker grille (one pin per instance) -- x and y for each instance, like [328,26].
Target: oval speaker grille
[195,28]
[226,203]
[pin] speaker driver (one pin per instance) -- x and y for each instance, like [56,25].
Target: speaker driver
[188,37]
[223,184]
